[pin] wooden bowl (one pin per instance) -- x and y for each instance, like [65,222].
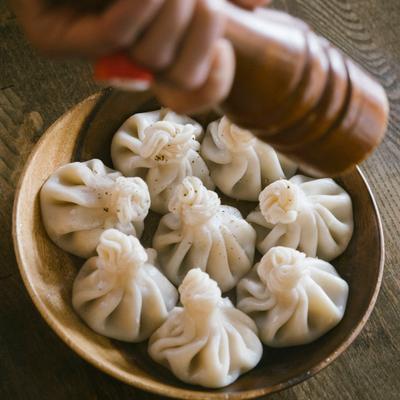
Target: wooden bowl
[48,272]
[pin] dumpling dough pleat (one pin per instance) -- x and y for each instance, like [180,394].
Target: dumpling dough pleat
[162,148]
[200,233]
[81,200]
[121,293]
[207,341]
[314,216]
[292,298]
[240,164]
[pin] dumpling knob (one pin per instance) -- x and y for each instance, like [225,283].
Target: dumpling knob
[193,202]
[129,199]
[281,269]
[166,142]
[199,293]
[281,201]
[119,251]
[232,136]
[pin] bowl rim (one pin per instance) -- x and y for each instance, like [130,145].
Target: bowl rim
[148,384]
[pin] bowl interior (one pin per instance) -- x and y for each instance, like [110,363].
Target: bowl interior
[85,132]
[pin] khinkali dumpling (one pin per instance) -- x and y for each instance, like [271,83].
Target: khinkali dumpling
[208,341]
[120,293]
[314,216]
[240,164]
[292,298]
[199,232]
[82,199]
[162,148]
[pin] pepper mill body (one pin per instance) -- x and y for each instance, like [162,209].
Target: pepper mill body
[301,95]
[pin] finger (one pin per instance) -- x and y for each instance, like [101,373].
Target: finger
[214,90]
[124,22]
[251,3]
[191,68]
[157,48]
[280,17]
[63,32]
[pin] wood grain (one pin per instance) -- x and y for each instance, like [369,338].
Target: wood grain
[35,364]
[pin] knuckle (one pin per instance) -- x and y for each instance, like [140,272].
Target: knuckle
[161,62]
[210,8]
[113,40]
[184,11]
[155,61]
[154,3]
[212,19]
[190,81]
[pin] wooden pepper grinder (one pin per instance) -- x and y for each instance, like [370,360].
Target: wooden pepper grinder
[296,91]
[301,95]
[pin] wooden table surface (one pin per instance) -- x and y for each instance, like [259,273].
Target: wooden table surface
[35,363]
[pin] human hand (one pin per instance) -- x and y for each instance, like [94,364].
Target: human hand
[180,41]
